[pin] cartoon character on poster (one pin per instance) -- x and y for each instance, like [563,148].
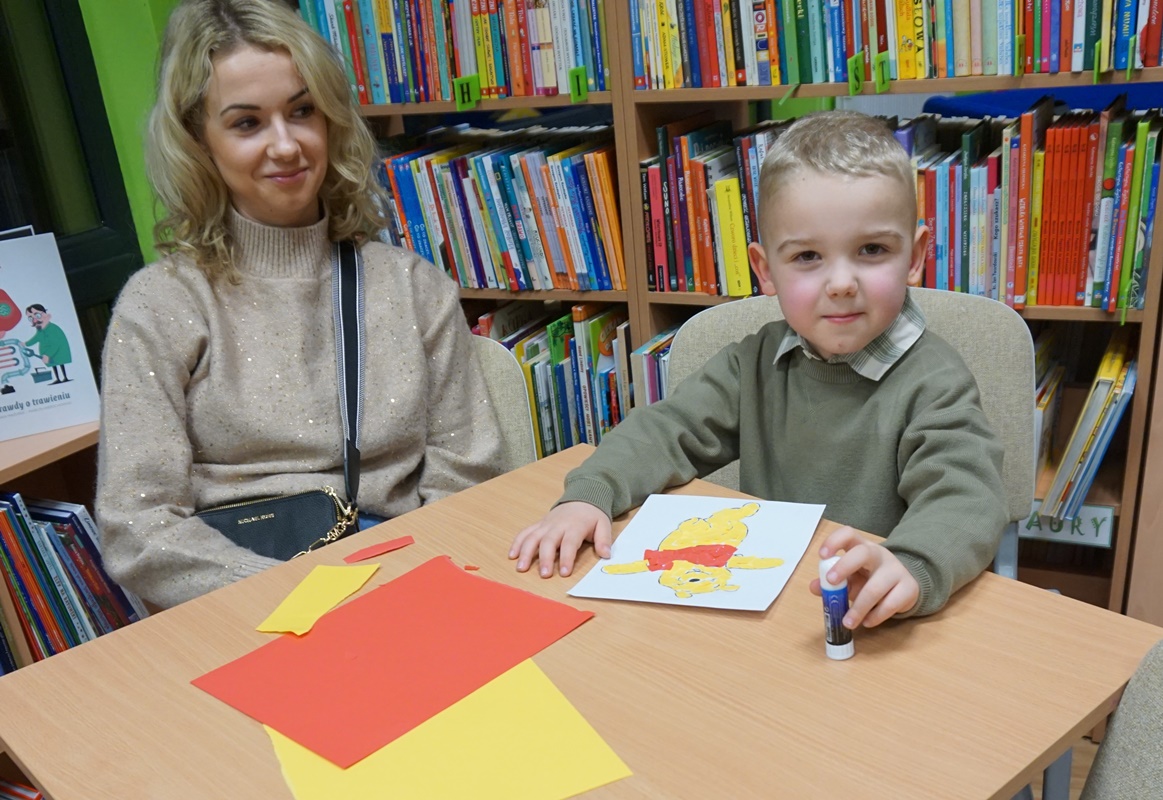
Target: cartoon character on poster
[704,551]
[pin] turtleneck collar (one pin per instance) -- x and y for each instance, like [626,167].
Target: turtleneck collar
[265,251]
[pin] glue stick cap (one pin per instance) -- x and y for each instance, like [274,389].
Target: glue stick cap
[825,584]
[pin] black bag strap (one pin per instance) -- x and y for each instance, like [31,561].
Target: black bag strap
[348,305]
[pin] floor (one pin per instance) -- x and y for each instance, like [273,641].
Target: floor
[1081,760]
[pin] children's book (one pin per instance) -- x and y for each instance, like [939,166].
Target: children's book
[46,381]
[714,552]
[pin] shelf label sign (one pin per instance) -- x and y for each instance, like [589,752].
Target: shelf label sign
[880,72]
[578,85]
[466,91]
[1093,527]
[856,74]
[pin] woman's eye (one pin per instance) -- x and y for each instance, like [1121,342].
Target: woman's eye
[305,110]
[245,123]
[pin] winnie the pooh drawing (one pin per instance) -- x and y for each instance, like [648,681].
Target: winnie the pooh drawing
[698,556]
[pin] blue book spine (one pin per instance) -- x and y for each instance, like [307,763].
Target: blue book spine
[1125,13]
[321,20]
[395,84]
[692,44]
[495,24]
[1055,35]
[950,58]
[636,46]
[406,42]
[309,13]
[1005,37]
[412,211]
[92,609]
[599,51]
[565,427]
[510,216]
[942,232]
[955,240]
[510,192]
[577,400]
[838,41]
[775,31]
[593,229]
[375,75]
[583,34]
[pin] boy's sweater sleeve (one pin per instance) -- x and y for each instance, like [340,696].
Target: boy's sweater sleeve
[691,433]
[949,461]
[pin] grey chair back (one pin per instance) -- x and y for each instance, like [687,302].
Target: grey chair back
[510,398]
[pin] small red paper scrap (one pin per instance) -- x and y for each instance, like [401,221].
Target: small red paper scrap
[379,549]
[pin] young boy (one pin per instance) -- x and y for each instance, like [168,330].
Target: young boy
[849,402]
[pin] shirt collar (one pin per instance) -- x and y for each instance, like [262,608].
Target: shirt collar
[876,357]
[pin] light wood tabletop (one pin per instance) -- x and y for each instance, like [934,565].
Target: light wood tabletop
[969,703]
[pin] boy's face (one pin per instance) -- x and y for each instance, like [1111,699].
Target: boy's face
[840,253]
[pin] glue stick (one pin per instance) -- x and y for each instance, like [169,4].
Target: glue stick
[838,639]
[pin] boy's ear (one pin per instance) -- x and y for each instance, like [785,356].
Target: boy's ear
[759,266]
[917,266]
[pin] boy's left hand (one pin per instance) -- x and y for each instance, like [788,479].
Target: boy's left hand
[879,585]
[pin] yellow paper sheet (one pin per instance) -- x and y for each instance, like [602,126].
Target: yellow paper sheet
[318,593]
[517,737]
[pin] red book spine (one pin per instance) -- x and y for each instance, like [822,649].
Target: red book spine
[353,39]
[931,222]
[712,58]
[523,43]
[1028,30]
[1149,45]
[701,36]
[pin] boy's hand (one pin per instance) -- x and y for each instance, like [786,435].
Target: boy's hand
[564,528]
[879,585]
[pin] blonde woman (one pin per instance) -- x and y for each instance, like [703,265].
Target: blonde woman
[219,379]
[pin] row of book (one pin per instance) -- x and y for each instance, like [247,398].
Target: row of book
[1106,402]
[699,200]
[575,364]
[1040,210]
[715,43]
[1037,210]
[532,209]
[9,790]
[54,593]
[411,51]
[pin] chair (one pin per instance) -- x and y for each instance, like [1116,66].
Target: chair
[1129,762]
[995,344]
[505,384]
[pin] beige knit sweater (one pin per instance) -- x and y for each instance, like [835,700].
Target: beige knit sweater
[219,392]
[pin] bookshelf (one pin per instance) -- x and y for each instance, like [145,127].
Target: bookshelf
[637,113]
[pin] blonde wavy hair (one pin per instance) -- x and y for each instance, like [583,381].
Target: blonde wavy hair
[844,143]
[189,186]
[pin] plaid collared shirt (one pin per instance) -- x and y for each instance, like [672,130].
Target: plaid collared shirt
[876,357]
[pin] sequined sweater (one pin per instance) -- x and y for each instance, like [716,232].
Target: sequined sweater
[216,392]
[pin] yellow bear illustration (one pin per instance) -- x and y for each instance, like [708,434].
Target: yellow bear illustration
[698,556]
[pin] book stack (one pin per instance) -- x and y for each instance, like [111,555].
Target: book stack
[649,364]
[416,51]
[1109,396]
[534,209]
[576,368]
[54,593]
[712,43]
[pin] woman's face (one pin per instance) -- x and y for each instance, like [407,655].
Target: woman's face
[266,137]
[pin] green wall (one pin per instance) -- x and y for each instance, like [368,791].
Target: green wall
[125,36]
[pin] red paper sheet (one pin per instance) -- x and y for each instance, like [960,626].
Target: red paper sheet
[375,668]
[379,549]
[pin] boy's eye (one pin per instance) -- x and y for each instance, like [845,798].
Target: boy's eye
[807,256]
[873,250]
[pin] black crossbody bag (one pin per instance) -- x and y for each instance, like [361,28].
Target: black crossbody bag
[287,526]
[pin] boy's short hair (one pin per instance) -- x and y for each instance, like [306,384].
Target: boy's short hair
[836,143]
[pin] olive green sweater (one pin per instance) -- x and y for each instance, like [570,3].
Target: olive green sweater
[910,457]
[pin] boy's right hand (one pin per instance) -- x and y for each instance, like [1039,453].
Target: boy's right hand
[564,528]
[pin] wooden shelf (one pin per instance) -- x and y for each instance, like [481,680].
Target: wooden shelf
[564,295]
[688,299]
[21,456]
[1107,489]
[927,86]
[449,107]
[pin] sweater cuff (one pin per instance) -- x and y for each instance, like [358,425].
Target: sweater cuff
[252,563]
[587,490]
[916,568]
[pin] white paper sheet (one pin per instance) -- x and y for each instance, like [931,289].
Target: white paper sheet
[712,552]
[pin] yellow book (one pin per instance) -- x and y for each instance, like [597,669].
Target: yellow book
[664,45]
[1035,227]
[526,351]
[734,240]
[1105,59]
[675,43]
[728,44]
[920,39]
[478,41]
[1096,401]
[488,68]
[906,46]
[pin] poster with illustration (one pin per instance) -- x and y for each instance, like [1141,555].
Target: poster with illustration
[714,552]
[46,381]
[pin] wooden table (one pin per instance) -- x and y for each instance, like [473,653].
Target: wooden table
[970,703]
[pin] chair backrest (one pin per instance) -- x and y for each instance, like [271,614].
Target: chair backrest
[991,338]
[510,398]
[1129,762]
